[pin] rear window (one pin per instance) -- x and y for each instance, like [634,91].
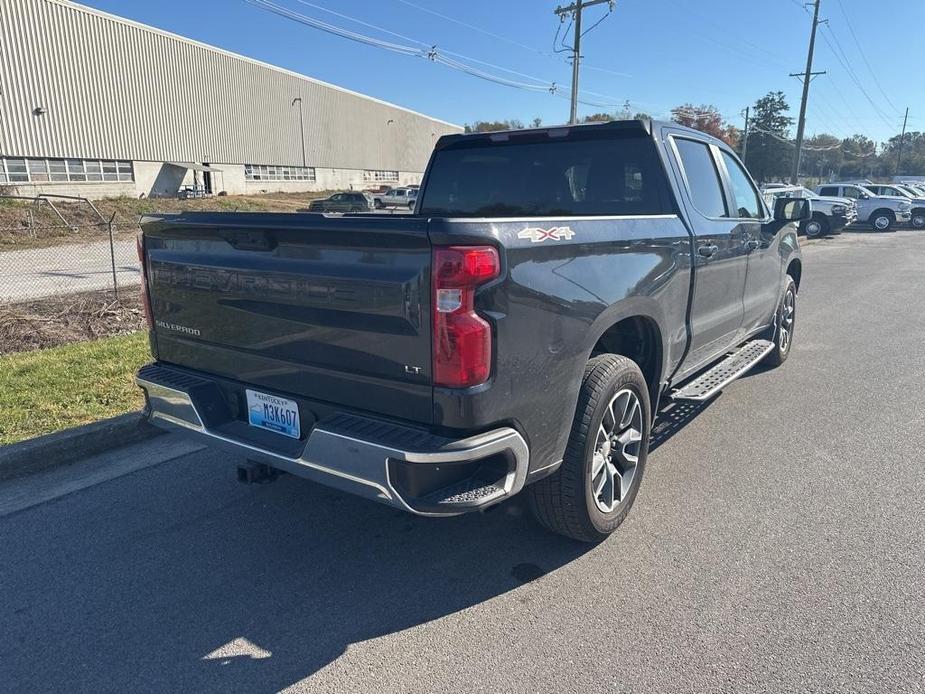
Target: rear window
[618,174]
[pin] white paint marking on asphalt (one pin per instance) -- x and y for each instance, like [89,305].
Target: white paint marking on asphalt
[20,494]
[237,648]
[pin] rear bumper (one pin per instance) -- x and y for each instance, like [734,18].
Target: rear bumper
[403,467]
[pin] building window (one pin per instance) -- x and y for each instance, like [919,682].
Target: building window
[379,176]
[14,170]
[263,172]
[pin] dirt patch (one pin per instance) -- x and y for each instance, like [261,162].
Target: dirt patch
[58,320]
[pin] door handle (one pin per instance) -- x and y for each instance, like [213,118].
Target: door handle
[707,251]
[753,244]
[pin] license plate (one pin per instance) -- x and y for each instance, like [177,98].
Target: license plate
[273,413]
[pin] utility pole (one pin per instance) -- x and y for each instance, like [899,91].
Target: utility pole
[745,137]
[902,140]
[807,78]
[575,10]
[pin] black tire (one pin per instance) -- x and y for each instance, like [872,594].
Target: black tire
[782,349]
[378,204]
[816,227]
[918,218]
[564,502]
[882,220]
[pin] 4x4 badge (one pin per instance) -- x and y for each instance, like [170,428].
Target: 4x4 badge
[536,235]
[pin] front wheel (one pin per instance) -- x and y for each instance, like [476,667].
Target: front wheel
[591,493]
[784,323]
[918,219]
[816,227]
[882,220]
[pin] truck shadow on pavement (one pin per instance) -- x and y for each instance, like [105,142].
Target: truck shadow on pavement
[177,578]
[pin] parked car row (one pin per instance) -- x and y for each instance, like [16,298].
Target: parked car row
[366,201]
[830,214]
[840,204]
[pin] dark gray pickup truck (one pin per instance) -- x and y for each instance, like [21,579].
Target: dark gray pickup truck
[517,331]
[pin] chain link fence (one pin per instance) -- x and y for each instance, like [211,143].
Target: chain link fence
[67,272]
[43,254]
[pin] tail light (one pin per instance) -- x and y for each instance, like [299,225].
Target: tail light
[462,338]
[145,296]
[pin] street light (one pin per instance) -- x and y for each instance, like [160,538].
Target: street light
[301,127]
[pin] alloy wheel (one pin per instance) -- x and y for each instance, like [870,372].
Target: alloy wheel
[616,451]
[787,317]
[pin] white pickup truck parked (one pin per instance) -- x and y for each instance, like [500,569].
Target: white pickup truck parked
[830,214]
[882,212]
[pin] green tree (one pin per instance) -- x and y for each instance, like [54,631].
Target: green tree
[770,151]
[860,157]
[913,150]
[707,119]
[822,157]
[485,126]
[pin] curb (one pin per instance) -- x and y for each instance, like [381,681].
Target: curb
[63,447]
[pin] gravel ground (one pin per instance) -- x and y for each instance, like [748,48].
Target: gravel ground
[777,545]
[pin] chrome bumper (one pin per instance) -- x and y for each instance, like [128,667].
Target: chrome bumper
[365,467]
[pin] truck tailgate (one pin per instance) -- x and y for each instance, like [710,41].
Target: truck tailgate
[333,309]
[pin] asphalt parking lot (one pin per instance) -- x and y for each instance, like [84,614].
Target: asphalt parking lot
[777,545]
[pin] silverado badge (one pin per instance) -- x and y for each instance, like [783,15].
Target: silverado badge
[536,235]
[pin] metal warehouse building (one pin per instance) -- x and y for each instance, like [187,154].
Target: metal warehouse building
[99,106]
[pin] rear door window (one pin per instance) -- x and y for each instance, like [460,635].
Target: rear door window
[588,172]
[703,181]
[829,190]
[747,204]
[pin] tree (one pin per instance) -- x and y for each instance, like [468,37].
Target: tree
[770,151]
[599,118]
[822,156]
[484,126]
[913,162]
[537,122]
[860,157]
[706,119]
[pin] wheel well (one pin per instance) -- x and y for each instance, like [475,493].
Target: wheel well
[884,210]
[795,270]
[637,338]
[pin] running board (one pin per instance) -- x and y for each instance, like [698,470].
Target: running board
[729,369]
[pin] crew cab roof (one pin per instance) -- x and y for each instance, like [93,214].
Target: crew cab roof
[643,125]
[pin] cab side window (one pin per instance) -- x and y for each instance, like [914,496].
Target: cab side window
[747,203]
[829,190]
[850,192]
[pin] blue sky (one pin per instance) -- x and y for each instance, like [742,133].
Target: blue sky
[653,53]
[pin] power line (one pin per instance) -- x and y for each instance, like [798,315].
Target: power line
[501,37]
[420,50]
[857,43]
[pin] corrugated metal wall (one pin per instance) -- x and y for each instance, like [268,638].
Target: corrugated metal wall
[116,90]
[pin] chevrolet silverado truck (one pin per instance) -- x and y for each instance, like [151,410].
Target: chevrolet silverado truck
[882,212]
[830,215]
[516,333]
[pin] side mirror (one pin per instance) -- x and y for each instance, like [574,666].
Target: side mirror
[864,196]
[792,210]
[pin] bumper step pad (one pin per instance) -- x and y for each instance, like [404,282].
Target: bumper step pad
[725,372]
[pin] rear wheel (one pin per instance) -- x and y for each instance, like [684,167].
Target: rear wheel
[816,227]
[592,492]
[784,323]
[882,220]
